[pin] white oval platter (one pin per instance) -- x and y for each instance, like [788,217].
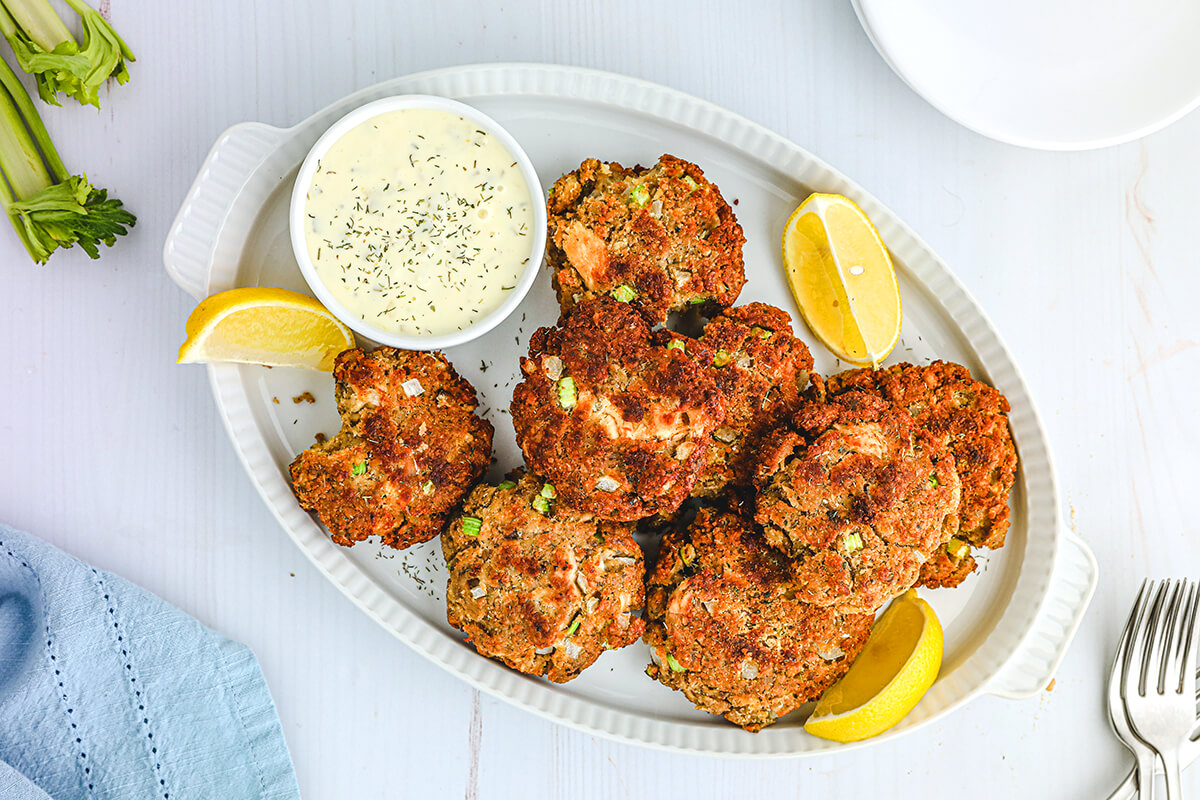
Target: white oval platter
[1007,627]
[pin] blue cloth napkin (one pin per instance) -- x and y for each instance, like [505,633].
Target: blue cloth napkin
[106,691]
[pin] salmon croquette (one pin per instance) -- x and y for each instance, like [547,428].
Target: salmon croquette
[662,238]
[409,449]
[726,624]
[612,414]
[967,418]
[856,500]
[948,567]
[537,585]
[761,368]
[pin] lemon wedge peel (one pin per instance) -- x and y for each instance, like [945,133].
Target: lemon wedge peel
[264,325]
[825,237]
[895,669]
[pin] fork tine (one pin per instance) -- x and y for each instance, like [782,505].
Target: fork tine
[1167,635]
[1179,642]
[1131,645]
[1144,638]
[1134,649]
[1123,644]
[1120,666]
[1185,616]
[1153,629]
[1187,666]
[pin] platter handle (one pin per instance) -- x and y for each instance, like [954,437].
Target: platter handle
[190,246]
[1036,659]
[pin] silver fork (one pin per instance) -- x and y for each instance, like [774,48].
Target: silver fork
[1128,790]
[1144,770]
[1159,688]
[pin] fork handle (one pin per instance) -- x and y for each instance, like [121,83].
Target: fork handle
[1145,775]
[1134,787]
[1128,787]
[1171,768]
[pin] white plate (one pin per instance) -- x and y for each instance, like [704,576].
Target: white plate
[1006,628]
[1050,74]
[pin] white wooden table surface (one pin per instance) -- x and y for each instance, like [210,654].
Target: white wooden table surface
[1086,262]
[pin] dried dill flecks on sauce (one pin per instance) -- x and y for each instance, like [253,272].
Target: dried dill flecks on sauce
[423,238]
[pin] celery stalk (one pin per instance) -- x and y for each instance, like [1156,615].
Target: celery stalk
[45,49]
[6,201]
[42,25]
[20,160]
[32,120]
[48,206]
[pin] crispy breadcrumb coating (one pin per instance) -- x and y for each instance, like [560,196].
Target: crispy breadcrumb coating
[944,570]
[409,449]
[538,585]
[967,418]
[618,421]
[662,238]
[727,627]
[761,368]
[856,501]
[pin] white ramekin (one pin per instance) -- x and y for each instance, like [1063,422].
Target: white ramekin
[356,117]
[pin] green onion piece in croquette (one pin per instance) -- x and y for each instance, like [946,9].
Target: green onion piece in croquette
[471,525]
[691,182]
[541,505]
[574,626]
[358,469]
[957,548]
[852,541]
[566,392]
[640,195]
[624,293]
[427,487]
[506,485]
[675,344]
[548,491]
[721,358]
[675,665]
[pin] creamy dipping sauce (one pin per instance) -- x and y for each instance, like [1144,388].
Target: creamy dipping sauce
[419,222]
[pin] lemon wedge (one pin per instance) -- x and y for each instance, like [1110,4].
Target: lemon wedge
[841,275]
[892,673]
[263,325]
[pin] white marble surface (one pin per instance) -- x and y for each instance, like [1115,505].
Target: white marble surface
[1086,262]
